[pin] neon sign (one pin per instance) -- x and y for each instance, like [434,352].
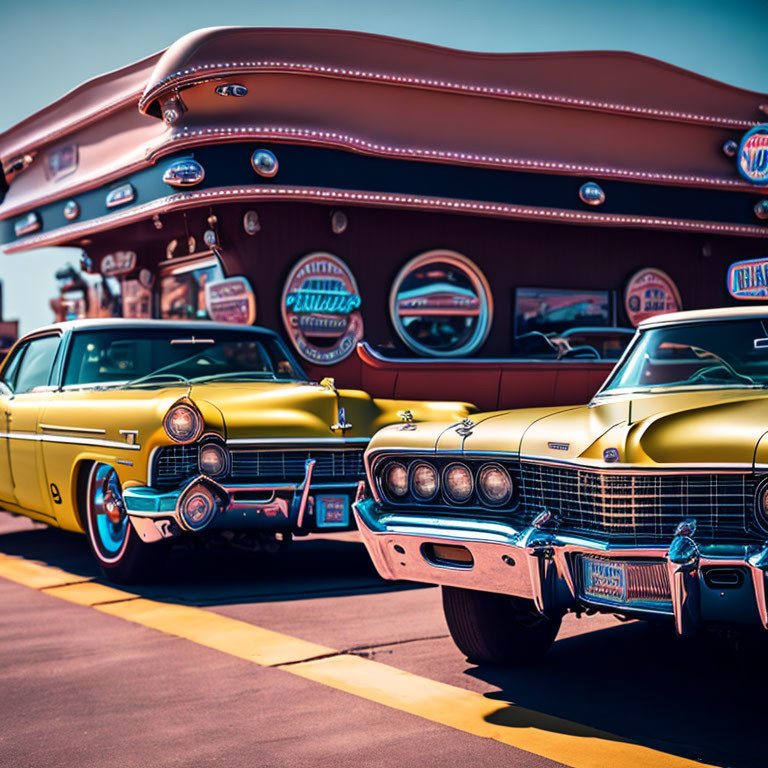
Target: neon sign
[753,155]
[748,279]
[650,292]
[321,309]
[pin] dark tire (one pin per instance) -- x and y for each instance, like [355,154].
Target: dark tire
[497,629]
[122,556]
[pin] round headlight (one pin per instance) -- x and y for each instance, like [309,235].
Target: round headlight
[395,477]
[495,485]
[183,424]
[761,507]
[424,481]
[458,483]
[212,460]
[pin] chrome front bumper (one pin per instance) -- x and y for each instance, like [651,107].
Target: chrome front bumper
[542,565]
[156,515]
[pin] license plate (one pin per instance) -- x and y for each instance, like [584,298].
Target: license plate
[604,580]
[332,511]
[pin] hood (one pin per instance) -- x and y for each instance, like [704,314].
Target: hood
[308,410]
[269,409]
[708,426]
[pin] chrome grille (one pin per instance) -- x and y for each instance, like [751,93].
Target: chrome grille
[637,508]
[176,463]
[173,465]
[330,465]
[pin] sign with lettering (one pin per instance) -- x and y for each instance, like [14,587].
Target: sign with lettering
[118,263]
[753,155]
[748,279]
[231,301]
[321,309]
[650,292]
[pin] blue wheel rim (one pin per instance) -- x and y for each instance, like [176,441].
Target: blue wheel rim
[109,536]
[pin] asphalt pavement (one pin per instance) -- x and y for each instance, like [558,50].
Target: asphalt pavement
[308,658]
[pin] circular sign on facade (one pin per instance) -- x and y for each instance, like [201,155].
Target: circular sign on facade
[321,308]
[650,292]
[441,304]
[753,155]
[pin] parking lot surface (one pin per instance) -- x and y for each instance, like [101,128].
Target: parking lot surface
[308,658]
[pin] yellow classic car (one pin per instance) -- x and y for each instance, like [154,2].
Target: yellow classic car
[649,502]
[139,431]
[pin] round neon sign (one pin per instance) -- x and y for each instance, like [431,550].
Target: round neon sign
[753,155]
[650,292]
[321,309]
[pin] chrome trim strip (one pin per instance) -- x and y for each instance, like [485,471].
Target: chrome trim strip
[69,440]
[311,441]
[84,430]
[202,74]
[400,200]
[620,469]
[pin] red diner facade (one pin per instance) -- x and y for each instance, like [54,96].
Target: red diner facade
[417,221]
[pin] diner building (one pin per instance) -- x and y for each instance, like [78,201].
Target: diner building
[414,220]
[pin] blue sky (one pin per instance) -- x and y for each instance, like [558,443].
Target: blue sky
[50,47]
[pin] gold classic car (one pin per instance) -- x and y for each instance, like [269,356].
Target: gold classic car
[137,432]
[649,502]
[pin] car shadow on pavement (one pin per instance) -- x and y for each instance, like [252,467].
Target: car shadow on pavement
[315,566]
[700,698]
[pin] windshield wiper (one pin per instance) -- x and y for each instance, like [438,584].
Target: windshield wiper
[153,377]
[247,375]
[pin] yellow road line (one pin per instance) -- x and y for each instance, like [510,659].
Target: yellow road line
[567,742]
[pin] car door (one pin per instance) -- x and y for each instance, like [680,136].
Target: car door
[6,395]
[32,389]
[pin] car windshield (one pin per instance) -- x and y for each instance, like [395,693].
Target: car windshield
[157,356]
[710,355]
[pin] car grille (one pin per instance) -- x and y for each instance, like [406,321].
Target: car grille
[177,463]
[342,465]
[637,508]
[173,465]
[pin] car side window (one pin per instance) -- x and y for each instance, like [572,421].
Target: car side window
[34,369]
[12,369]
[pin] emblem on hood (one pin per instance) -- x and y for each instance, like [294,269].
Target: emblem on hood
[611,455]
[559,446]
[341,421]
[407,418]
[466,427]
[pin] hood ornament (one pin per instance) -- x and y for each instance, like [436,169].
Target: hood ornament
[611,455]
[341,421]
[329,383]
[466,427]
[407,418]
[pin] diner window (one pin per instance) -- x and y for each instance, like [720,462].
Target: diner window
[563,323]
[441,305]
[182,289]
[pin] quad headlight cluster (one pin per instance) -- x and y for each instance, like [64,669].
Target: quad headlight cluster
[456,483]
